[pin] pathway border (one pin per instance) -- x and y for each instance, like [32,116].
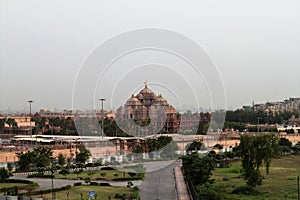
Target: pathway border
[181,187]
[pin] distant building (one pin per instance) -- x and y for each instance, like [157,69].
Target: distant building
[47,113]
[294,121]
[291,104]
[138,108]
[18,125]
[22,121]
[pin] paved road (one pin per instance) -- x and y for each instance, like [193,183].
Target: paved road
[159,184]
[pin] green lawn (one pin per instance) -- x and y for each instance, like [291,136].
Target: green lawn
[101,191]
[280,183]
[96,175]
[10,185]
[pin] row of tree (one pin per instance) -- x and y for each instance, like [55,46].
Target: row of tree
[252,117]
[41,158]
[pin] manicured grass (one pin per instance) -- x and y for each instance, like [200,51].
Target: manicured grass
[96,175]
[10,185]
[101,191]
[280,183]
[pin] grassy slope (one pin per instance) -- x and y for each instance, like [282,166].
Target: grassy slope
[280,183]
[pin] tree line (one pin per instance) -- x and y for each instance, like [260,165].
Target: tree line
[255,152]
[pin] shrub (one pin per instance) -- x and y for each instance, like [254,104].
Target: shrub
[132,174]
[94,183]
[104,184]
[77,184]
[207,192]
[87,179]
[39,175]
[120,196]
[107,168]
[245,191]
[102,174]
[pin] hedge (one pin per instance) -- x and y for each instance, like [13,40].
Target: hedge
[40,176]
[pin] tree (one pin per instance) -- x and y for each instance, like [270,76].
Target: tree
[25,160]
[64,172]
[257,151]
[138,149]
[61,160]
[83,155]
[4,174]
[198,169]
[43,156]
[285,145]
[158,143]
[195,146]
[39,157]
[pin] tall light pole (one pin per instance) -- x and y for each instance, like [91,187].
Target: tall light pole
[30,102]
[102,116]
[258,118]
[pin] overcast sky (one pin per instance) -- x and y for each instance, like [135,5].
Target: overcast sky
[255,45]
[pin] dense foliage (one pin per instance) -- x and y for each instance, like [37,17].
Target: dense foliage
[257,151]
[198,169]
[39,157]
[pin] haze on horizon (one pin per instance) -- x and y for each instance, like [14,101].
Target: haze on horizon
[255,45]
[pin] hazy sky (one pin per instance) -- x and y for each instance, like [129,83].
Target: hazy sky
[255,45]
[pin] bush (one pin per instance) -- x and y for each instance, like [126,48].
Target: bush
[132,174]
[104,184]
[38,192]
[129,184]
[77,184]
[90,165]
[245,191]
[19,181]
[120,196]
[107,168]
[207,192]
[39,175]
[94,183]
[87,179]
[102,174]
[127,179]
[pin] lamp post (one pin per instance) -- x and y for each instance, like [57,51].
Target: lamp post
[102,116]
[52,182]
[30,102]
[258,118]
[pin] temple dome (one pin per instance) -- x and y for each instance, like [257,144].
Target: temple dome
[147,93]
[160,100]
[133,101]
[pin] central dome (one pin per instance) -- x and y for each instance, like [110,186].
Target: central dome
[146,94]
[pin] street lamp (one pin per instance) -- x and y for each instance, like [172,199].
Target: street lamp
[102,116]
[52,179]
[258,118]
[30,102]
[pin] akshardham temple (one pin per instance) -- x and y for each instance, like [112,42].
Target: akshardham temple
[138,107]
